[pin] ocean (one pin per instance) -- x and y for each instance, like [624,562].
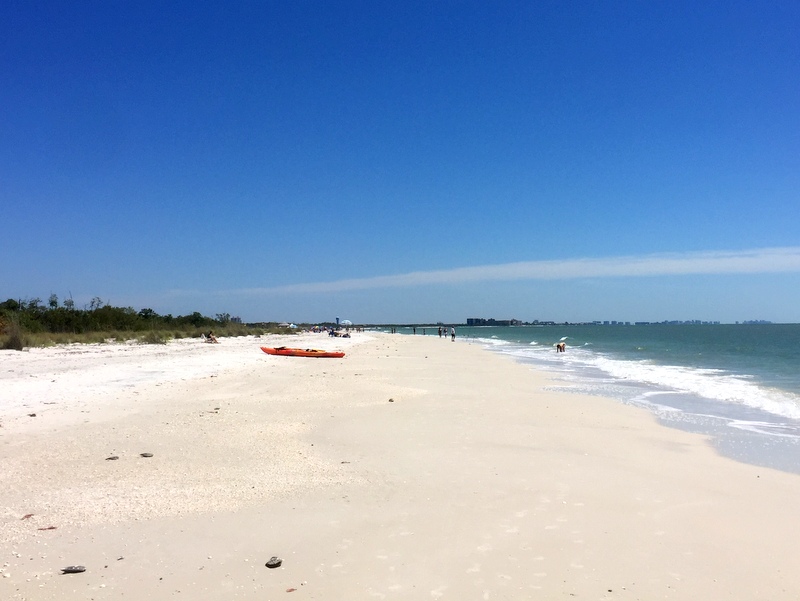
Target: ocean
[739,385]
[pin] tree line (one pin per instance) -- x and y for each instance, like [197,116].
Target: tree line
[34,316]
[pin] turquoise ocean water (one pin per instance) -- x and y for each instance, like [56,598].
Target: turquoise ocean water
[737,384]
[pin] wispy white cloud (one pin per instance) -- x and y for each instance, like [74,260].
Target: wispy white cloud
[764,260]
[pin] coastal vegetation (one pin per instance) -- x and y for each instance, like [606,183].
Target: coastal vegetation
[30,323]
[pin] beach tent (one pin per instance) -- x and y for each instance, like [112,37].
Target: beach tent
[346,322]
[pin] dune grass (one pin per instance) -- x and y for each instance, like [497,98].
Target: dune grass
[13,337]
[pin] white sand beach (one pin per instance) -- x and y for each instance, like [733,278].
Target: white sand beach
[414,468]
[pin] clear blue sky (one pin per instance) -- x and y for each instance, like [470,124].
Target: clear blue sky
[404,161]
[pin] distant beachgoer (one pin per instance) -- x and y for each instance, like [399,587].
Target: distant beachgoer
[211,337]
[415,330]
[561,347]
[452,334]
[440,331]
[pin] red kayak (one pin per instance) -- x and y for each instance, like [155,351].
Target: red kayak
[301,352]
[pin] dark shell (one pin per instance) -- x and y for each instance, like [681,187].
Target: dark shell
[73,569]
[274,562]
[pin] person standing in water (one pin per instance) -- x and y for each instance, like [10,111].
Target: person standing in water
[452,334]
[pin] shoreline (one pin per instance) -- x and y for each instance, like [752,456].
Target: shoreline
[413,467]
[748,433]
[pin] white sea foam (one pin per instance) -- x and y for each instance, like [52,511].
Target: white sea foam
[708,383]
[712,384]
[493,342]
[769,428]
[646,398]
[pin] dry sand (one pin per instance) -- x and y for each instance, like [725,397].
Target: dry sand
[414,468]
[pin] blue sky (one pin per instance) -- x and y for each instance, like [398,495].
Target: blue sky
[404,161]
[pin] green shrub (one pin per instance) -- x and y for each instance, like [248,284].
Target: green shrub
[153,338]
[13,339]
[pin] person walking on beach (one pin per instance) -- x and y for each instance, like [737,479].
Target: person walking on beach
[452,334]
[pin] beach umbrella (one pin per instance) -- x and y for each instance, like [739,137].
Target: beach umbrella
[346,322]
